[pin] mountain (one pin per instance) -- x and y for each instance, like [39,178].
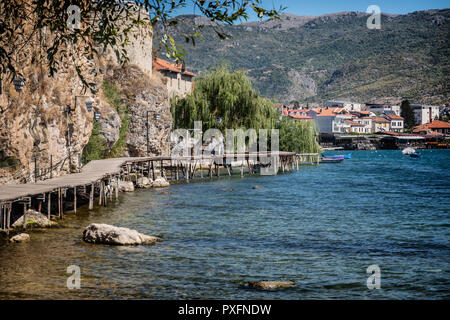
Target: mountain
[334,56]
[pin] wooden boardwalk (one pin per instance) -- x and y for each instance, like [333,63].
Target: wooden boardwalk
[100,179]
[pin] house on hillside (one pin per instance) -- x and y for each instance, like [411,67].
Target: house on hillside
[382,108]
[349,106]
[179,81]
[397,122]
[366,122]
[380,124]
[331,120]
[436,126]
[355,126]
[425,113]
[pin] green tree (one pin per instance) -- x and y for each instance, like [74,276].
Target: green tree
[113,96]
[224,99]
[96,147]
[47,31]
[408,114]
[298,136]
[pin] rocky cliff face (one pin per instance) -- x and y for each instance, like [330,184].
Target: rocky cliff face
[144,95]
[34,124]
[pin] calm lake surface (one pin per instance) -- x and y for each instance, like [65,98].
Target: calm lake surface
[320,227]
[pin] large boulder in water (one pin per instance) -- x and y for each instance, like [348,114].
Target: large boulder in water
[271,285]
[107,234]
[22,237]
[160,183]
[144,182]
[34,219]
[126,186]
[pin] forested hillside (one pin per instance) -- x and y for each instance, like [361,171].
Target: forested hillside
[333,56]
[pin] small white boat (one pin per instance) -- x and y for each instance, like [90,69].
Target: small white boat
[408,151]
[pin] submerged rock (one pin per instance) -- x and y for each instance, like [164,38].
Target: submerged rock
[34,219]
[22,237]
[126,186]
[271,285]
[107,234]
[144,182]
[160,183]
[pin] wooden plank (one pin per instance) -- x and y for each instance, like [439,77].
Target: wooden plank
[75,200]
[49,205]
[91,197]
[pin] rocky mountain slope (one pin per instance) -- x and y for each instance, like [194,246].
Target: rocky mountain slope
[34,123]
[334,56]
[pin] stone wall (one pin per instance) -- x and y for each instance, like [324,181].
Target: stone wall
[144,94]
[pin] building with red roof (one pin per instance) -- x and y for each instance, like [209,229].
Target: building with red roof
[179,81]
[435,126]
[397,122]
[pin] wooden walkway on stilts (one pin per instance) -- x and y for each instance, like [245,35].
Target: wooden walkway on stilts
[100,179]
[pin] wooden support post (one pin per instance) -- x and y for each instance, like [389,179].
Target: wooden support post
[2,217]
[49,205]
[201,169]
[100,198]
[153,171]
[59,203]
[8,220]
[148,169]
[75,200]
[91,197]
[111,188]
[117,186]
[62,204]
[105,196]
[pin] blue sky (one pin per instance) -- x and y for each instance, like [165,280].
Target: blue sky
[319,7]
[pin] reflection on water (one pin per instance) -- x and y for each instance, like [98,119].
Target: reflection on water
[320,227]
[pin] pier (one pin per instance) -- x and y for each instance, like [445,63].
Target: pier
[99,180]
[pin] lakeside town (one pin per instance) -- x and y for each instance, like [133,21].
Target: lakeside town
[96,202]
[345,124]
[360,126]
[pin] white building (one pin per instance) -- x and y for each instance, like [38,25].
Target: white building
[425,113]
[331,120]
[366,122]
[349,106]
[382,108]
[397,122]
[178,80]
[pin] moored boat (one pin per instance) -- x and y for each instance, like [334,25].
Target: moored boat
[408,151]
[330,160]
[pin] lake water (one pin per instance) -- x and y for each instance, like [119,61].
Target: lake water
[320,227]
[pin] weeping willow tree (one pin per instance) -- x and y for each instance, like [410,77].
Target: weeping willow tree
[225,99]
[298,136]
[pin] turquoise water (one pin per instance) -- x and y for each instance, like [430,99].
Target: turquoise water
[320,227]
